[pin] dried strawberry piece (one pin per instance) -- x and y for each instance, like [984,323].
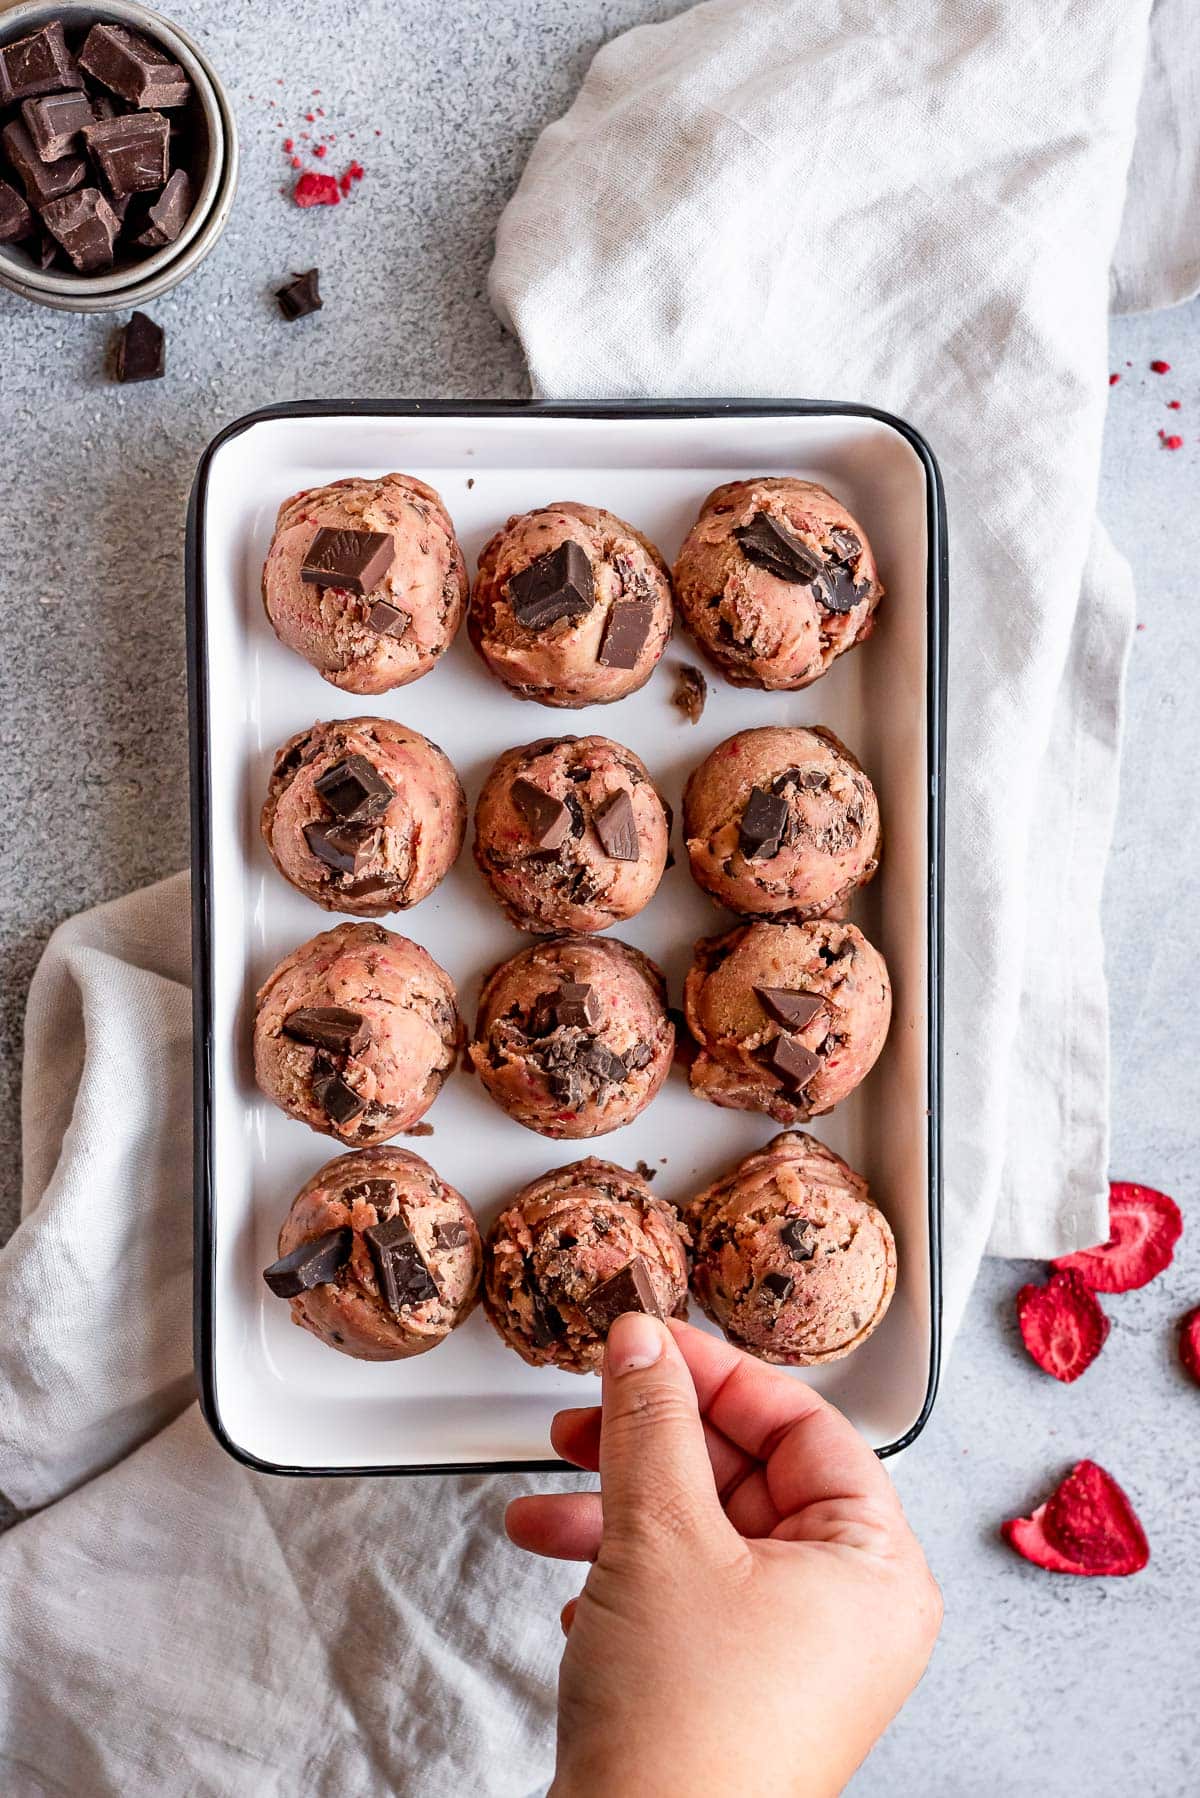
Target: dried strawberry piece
[1062,1325]
[1143,1228]
[1189,1344]
[316,190]
[1086,1526]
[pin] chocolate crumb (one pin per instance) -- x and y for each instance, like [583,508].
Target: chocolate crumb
[645,1170]
[691,692]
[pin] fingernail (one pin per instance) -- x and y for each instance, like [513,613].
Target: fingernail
[635,1341]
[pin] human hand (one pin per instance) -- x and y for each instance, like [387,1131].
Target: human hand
[757,1609]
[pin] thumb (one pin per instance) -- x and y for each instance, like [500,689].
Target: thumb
[656,1481]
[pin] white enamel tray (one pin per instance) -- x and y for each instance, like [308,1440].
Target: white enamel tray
[277,1398]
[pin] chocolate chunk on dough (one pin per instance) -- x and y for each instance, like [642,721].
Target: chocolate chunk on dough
[332,1027]
[353,560]
[769,544]
[629,1289]
[794,1064]
[354,790]
[557,585]
[763,824]
[616,827]
[629,624]
[312,1264]
[789,1006]
[403,1276]
[547,818]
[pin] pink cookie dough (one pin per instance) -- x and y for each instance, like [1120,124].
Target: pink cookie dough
[574,1250]
[781,823]
[573,660]
[792,1259]
[573,1037]
[570,834]
[369,643]
[432,1245]
[355,1032]
[789,1018]
[774,580]
[364,815]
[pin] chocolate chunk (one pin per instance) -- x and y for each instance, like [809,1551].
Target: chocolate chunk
[691,691]
[576,1006]
[354,790]
[382,1194]
[54,121]
[16,220]
[798,1237]
[332,1027]
[625,634]
[45,251]
[131,66]
[645,1170]
[314,1263]
[141,350]
[616,828]
[354,560]
[638,1056]
[790,1006]
[769,544]
[85,225]
[567,1086]
[404,1279]
[846,545]
[341,847]
[337,1099]
[451,1236]
[37,64]
[546,818]
[131,151]
[169,213]
[557,585]
[777,1286]
[763,823]
[42,181]
[301,296]
[795,1065]
[546,1324]
[388,619]
[603,1064]
[837,592]
[629,1289]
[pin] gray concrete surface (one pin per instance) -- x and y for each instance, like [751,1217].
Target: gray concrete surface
[1041,1684]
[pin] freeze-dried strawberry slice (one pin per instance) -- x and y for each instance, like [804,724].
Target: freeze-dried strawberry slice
[1189,1344]
[1086,1526]
[1143,1228]
[1062,1325]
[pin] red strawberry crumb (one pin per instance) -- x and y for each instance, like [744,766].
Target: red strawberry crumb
[1189,1344]
[296,163]
[318,149]
[1087,1526]
[1143,1228]
[311,117]
[354,173]
[287,144]
[1173,405]
[1113,379]
[1062,1325]
[316,190]
[1161,368]
[1173,442]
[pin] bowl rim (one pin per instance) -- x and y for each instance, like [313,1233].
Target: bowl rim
[53,284]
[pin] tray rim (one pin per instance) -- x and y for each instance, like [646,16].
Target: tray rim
[937,626]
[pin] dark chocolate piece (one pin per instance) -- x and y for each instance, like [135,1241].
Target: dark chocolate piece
[638,1056]
[790,1006]
[777,1286]
[354,790]
[301,296]
[546,1324]
[629,1289]
[769,544]
[763,823]
[16,220]
[616,827]
[799,1238]
[576,1006]
[388,619]
[42,181]
[382,1194]
[332,1027]
[133,67]
[451,1236]
[603,1064]
[169,213]
[45,252]
[404,1279]
[354,560]
[37,64]
[846,545]
[625,633]
[337,1099]
[340,846]
[85,225]
[837,592]
[795,1065]
[691,691]
[314,1263]
[557,585]
[131,151]
[141,350]
[546,818]
[54,122]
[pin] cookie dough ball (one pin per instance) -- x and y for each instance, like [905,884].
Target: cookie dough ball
[774,580]
[575,1250]
[788,1017]
[571,606]
[781,823]
[378,1256]
[396,581]
[355,1032]
[792,1260]
[364,815]
[573,1037]
[570,834]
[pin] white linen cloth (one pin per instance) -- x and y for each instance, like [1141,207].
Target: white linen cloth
[173,1624]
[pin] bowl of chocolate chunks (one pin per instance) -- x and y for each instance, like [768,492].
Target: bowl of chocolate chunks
[118,155]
